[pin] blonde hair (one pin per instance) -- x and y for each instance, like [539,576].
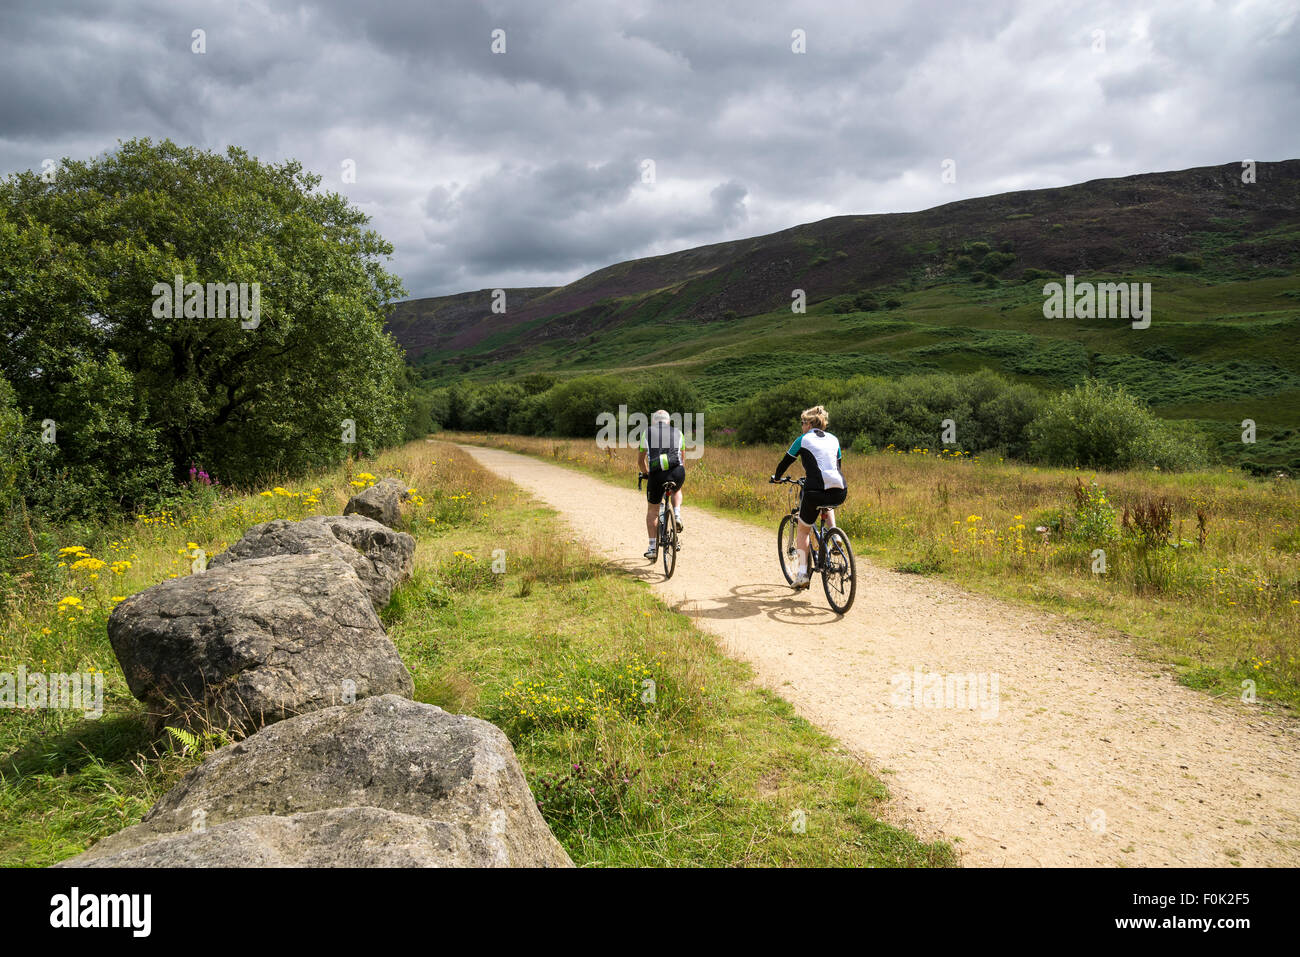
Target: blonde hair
[816,417]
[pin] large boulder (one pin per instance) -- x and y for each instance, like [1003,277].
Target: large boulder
[256,641]
[382,502]
[414,761]
[381,557]
[338,837]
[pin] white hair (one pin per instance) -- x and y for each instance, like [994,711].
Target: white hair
[659,417]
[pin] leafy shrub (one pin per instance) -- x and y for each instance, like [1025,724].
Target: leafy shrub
[669,392]
[990,412]
[1101,426]
[568,408]
[1185,262]
[23,462]
[998,261]
[772,415]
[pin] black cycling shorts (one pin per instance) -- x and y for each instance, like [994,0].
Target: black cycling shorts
[814,500]
[654,490]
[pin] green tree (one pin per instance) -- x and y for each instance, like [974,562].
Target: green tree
[82,261]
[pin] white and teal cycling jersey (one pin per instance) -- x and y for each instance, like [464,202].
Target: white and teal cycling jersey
[819,452]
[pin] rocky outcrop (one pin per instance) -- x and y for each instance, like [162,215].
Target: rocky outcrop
[385,781]
[382,502]
[256,641]
[381,557]
[279,638]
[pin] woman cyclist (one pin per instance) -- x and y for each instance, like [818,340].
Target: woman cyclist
[824,488]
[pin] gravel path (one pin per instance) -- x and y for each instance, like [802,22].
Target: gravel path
[1082,754]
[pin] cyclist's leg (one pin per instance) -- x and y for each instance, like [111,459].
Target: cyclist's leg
[654,495]
[808,511]
[801,545]
[679,476]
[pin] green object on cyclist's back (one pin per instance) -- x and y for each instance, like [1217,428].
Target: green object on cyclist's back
[664,445]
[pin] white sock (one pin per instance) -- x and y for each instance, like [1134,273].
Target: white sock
[654,542]
[678,511]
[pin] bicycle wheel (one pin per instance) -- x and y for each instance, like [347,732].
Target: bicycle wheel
[785,547]
[670,549]
[839,574]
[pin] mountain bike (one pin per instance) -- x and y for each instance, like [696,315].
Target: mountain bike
[668,541]
[829,552]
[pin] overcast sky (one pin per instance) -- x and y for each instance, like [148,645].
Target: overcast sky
[527,167]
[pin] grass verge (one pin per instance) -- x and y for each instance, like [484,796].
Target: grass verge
[644,744]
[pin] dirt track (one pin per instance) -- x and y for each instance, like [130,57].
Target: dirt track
[1087,755]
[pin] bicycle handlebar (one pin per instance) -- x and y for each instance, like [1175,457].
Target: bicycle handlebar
[783,480]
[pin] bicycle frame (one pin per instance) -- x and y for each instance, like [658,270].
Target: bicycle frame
[665,511]
[816,532]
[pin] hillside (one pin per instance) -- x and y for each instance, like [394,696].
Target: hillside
[954,288]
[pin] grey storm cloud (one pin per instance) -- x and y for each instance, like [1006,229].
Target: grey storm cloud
[526,167]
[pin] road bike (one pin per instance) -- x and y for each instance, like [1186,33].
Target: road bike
[829,552]
[668,541]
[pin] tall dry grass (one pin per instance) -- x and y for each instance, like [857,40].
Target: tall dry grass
[1218,592]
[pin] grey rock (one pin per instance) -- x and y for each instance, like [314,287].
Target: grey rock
[337,837]
[414,760]
[382,502]
[381,557]
[256,641]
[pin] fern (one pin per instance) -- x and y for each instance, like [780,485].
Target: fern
[198,744]
[188,741]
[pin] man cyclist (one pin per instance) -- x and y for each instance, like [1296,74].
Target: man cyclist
[824,487]
[662,458]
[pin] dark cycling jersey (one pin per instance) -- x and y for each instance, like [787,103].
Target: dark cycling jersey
[664,446]
[819,451]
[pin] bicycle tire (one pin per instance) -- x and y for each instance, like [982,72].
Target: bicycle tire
[786,536]
[670,550]
[839,571]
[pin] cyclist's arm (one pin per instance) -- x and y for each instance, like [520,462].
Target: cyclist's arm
[791,456]
[641,464]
